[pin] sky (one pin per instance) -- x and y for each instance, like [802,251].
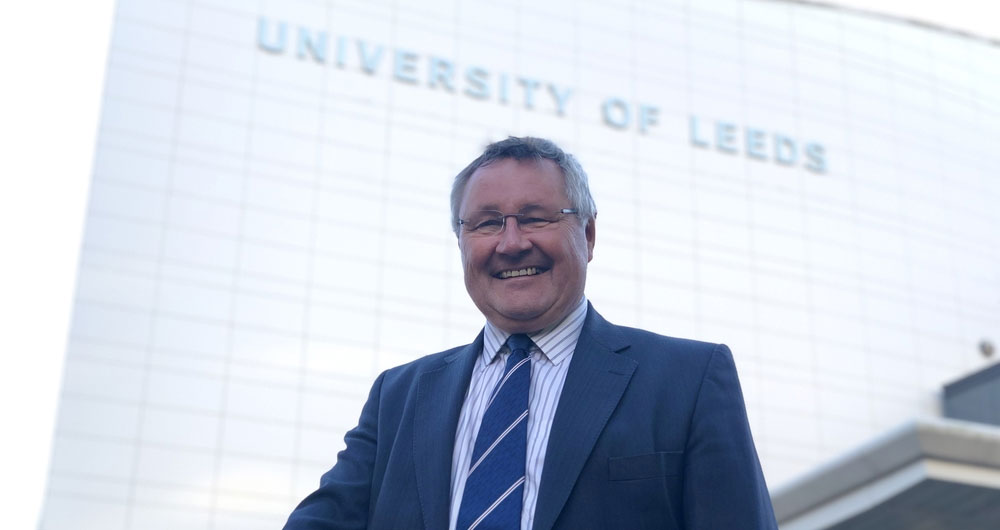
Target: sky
[53,57]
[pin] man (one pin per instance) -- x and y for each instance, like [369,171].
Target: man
[552,417]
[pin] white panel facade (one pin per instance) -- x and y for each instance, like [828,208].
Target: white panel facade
[268,226]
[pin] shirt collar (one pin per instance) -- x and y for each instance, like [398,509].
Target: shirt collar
[556,343]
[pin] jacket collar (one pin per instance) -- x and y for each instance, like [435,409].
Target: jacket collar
[440,395]
[597,378]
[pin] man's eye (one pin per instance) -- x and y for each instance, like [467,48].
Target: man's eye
[488,224]
[534,221]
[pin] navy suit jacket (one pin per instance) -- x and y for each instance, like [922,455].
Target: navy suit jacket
[650,432]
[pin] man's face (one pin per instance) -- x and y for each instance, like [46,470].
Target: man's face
[559,253]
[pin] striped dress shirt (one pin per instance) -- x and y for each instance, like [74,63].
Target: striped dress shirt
[550,359]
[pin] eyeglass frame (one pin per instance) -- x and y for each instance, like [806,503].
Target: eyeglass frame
[503,220]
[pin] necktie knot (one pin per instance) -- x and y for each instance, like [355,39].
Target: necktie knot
[520,345]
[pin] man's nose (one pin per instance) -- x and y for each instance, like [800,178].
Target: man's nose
[512,239]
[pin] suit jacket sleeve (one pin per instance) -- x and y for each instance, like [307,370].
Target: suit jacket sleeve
[724,486]
[343,497]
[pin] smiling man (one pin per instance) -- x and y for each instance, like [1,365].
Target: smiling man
[552,417]
[524,270]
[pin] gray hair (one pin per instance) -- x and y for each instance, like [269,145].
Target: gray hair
[529,148]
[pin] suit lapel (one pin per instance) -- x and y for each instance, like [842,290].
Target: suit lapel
[440,394]
[596,380]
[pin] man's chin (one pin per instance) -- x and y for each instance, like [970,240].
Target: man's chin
[522,319]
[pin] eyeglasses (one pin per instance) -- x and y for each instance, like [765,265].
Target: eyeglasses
[492,222]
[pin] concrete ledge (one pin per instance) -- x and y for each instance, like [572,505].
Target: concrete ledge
[927,454]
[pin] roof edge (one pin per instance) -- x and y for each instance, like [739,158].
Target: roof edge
[925,438]
[992,41]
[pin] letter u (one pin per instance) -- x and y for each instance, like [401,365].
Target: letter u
[273,47]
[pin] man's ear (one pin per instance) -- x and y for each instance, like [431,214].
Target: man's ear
[591,232]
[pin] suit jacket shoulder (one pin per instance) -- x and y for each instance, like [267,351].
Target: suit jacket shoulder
[676,450]
[395,471]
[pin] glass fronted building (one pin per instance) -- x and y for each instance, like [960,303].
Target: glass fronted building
[268,225]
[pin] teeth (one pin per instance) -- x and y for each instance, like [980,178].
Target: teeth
[529,271]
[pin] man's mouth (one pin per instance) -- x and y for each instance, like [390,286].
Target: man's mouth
[515,273]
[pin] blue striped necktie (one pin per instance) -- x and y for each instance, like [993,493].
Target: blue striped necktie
[494,488]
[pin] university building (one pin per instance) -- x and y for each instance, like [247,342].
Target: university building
[268,229]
